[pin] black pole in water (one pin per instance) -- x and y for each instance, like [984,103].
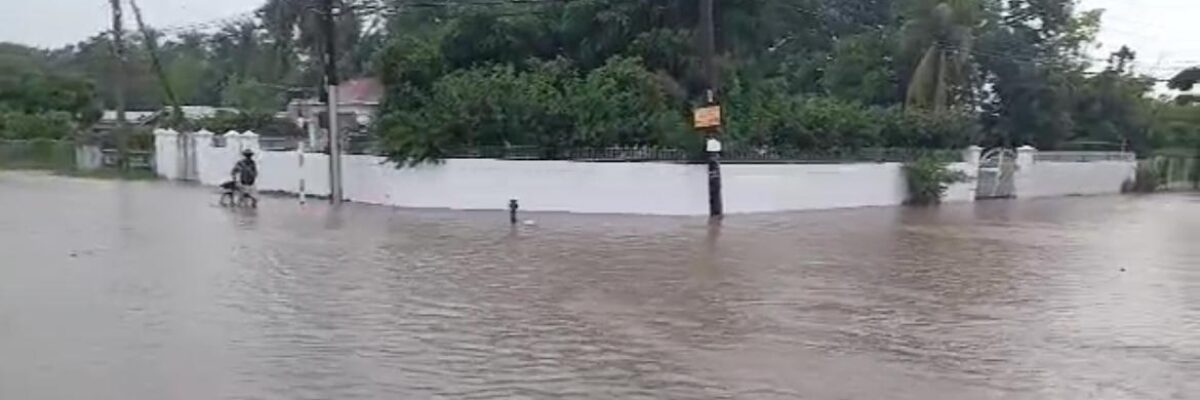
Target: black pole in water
[512,211]
[716,205]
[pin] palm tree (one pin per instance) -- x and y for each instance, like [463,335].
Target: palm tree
[940,32]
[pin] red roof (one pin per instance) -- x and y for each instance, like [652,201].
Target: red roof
[362,90]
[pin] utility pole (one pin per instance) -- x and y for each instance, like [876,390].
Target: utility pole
[118,79]
[708,44]
[152,49]
[331,81]
[176,119]
[708,50]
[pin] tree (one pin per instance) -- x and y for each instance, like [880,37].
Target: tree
[36,102]
[1185,80]
[294,27]
[941,32]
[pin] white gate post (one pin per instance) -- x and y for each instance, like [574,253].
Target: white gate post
[1026,156]
[166,153]
[971,157]
[202,143]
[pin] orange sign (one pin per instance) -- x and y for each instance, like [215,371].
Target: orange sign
[707,117]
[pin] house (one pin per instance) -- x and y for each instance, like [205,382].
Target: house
[358,104]
[144,120]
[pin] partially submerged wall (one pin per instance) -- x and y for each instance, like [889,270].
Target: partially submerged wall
[599,187]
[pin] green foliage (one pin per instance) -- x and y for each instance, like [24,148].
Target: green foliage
[861,69]
[928,179]
[938,34]
[800,74]
[1147,179]
[251,96]
[764,115]
[549,106]
[55,125]
[37,153]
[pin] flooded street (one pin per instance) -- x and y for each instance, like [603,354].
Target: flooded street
[131,290]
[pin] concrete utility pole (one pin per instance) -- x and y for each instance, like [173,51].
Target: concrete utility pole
[331,80]
[118,79]
[716,206]
[708,43]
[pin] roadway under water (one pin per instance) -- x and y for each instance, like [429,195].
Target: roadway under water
[119,290]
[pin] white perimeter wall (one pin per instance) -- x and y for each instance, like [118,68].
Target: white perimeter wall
[1054,179]
[627,188]
[787,187]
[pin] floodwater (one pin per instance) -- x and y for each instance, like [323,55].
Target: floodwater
[120,290]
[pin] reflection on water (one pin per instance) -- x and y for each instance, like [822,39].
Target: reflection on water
[136,290]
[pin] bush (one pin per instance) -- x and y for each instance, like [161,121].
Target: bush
[548,106]
[928,179]
[50,125]
[1147,179]
[765,115]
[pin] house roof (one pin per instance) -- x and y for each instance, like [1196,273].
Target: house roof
[143,117]
[362,90]
[135,117]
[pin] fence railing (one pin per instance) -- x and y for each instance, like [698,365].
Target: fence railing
[37,154]
[138,159]
[734,154]
[1084,156]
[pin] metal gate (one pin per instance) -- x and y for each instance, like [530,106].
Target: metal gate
[997,174]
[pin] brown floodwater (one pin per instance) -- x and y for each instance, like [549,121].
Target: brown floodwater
[127,290]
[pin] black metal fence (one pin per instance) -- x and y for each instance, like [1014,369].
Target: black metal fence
[732,154]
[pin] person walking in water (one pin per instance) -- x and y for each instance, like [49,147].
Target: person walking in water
[244,174]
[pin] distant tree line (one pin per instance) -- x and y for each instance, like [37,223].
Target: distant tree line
[804,74]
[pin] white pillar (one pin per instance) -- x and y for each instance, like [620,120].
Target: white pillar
[250,142]
[971,156]
[202,149]
[1025,157]
[233,141]
[1024,181]
[167,160]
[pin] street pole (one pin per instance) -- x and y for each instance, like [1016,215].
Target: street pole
[716,206]
[118,79]
[331,78]
[716,203]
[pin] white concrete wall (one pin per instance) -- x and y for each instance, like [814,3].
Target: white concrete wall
[627,188]
[632,188]
[1054,179]
[778,187]
[964,191]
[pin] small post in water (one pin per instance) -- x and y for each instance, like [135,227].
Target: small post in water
[300,152]
[512,211]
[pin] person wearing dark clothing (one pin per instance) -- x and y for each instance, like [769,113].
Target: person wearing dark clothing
[245,174]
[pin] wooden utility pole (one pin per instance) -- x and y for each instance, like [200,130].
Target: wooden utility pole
[331,81]
[118,79]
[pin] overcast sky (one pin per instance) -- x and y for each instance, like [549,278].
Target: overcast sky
[1163,32]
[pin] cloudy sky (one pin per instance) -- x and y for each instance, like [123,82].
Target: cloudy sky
[1163,32]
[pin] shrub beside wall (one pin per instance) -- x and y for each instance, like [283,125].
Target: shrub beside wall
[928,179]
